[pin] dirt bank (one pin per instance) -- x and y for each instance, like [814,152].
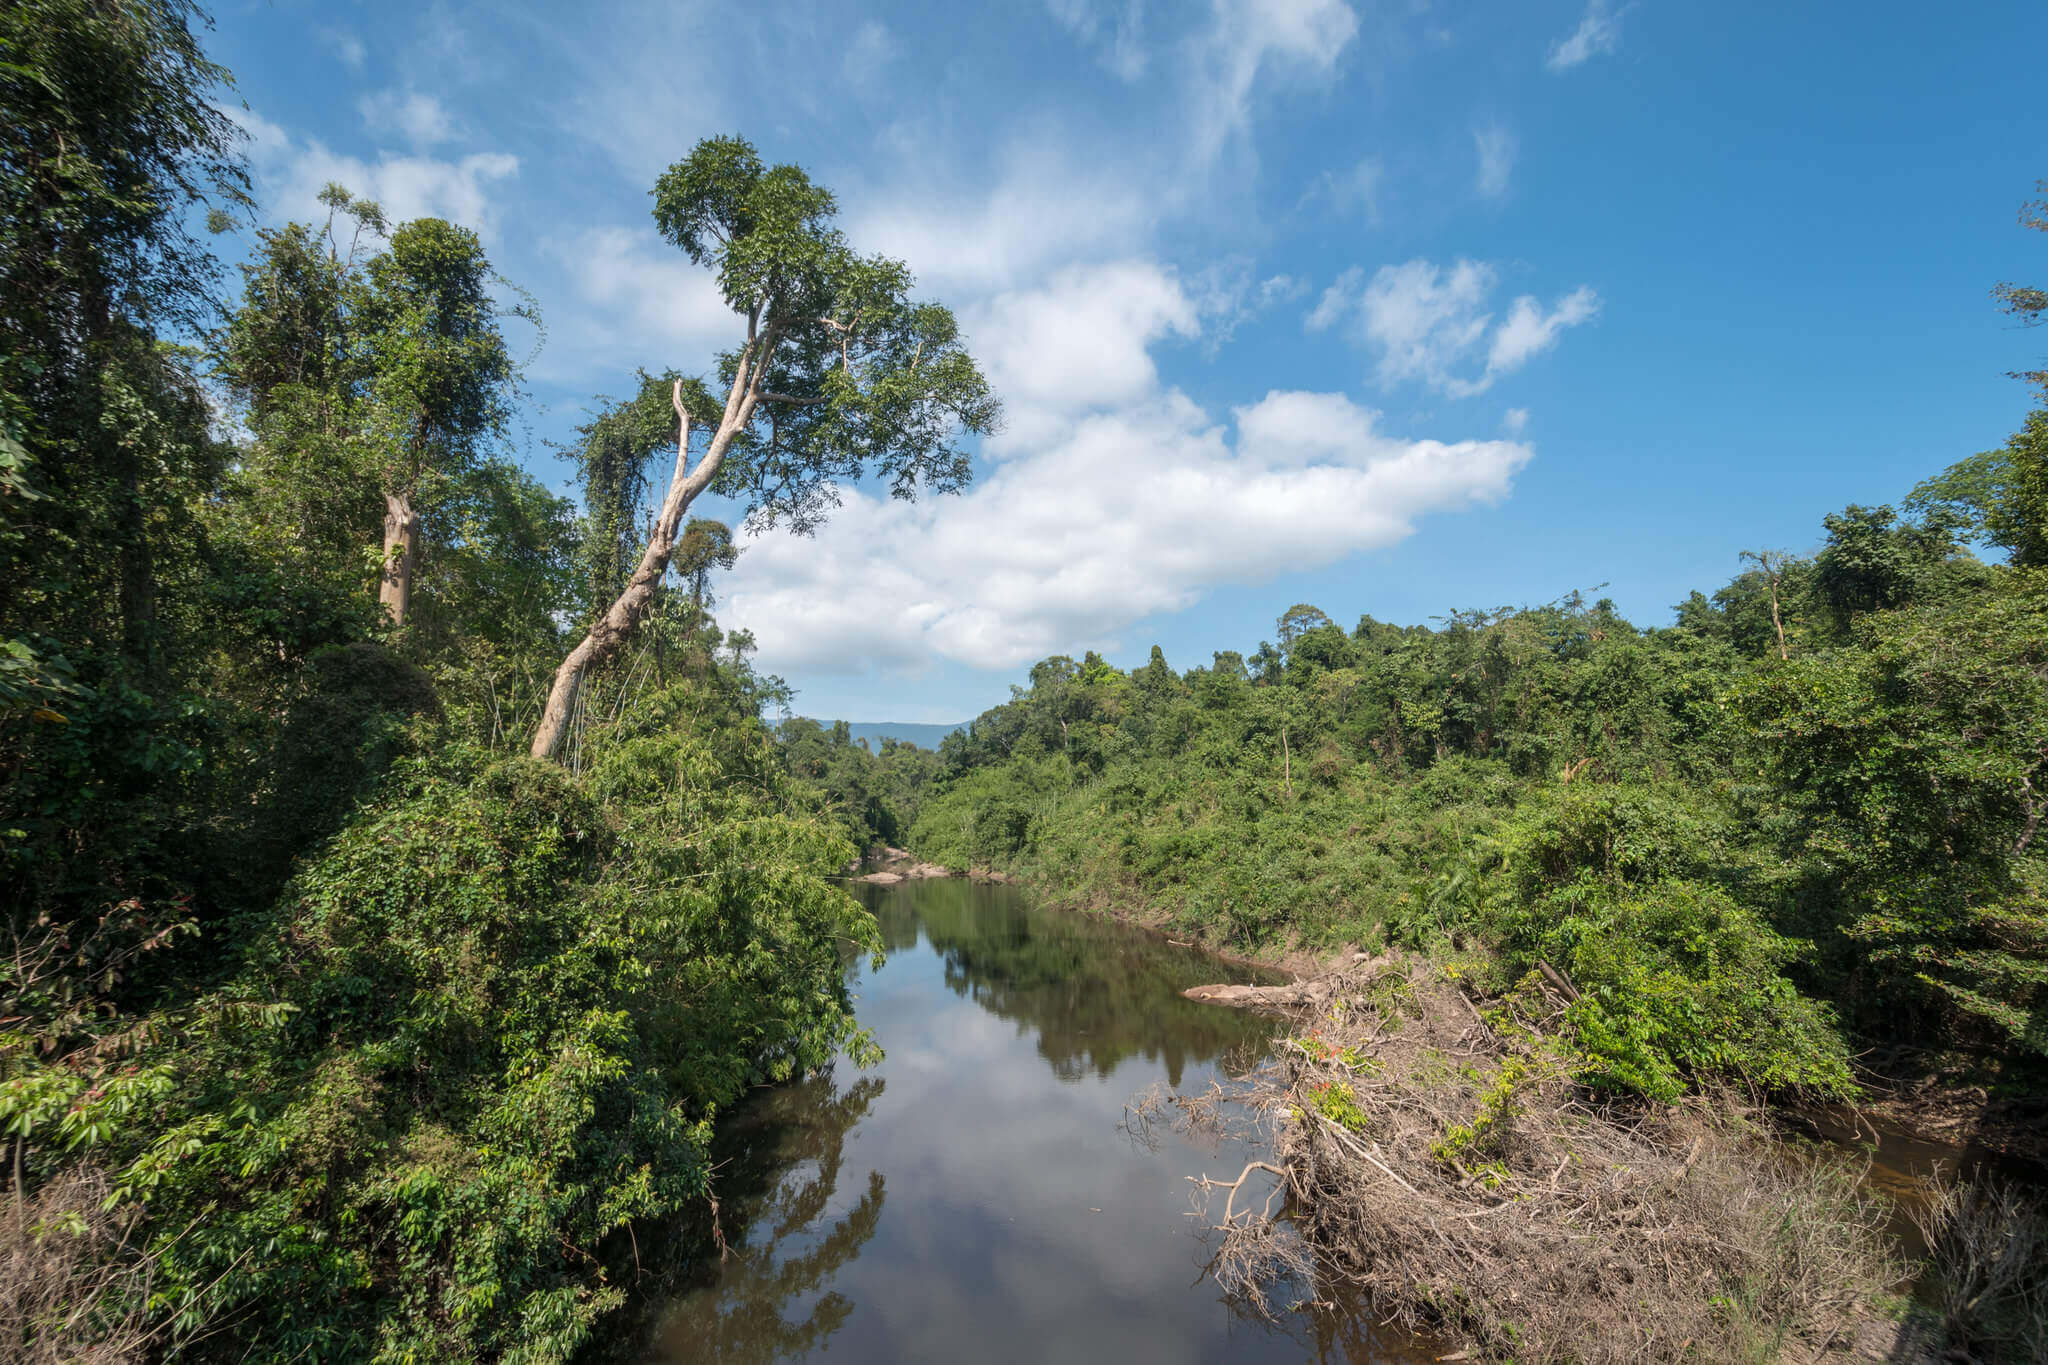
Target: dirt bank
[1439,1158]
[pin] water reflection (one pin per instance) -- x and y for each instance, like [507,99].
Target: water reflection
[1019,1223]
[780,1174]
[1092,991]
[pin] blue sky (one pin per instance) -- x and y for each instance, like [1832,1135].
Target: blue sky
[1393,308]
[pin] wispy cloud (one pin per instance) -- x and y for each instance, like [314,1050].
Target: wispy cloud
[291,171]
[1432,326]
[1598,33]
[421,120]
[1496,148]
[1353,189]
[346,46]
[1248,37]
[869,56]
[1114,29]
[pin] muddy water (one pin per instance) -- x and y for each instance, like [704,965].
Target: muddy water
[1901,1165]
[976,1196]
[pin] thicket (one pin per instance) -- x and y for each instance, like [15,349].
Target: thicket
[332,1026]
[875,793]
[1806,813]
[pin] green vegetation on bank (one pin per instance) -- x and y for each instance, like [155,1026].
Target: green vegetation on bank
[1806,813]
[874,793]
[398,877]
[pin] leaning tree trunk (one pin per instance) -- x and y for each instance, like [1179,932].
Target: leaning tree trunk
[617,625]
[401,555]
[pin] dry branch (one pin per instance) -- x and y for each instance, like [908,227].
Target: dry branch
[1550,1226]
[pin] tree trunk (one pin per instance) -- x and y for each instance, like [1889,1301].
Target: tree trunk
[401,555]
[617,625]
[1778,623]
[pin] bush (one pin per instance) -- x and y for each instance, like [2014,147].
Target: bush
[1677,982]
[512,1004]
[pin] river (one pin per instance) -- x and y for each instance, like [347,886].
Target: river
[976,1196]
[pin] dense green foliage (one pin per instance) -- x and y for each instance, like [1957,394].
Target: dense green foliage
[380,1038]
[874,794]
[348,1031]
[1738,860]
[514,1000]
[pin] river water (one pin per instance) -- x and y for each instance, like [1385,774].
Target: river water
[977,1196]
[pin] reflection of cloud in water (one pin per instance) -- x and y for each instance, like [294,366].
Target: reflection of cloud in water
[1020,1224]
[1093,991]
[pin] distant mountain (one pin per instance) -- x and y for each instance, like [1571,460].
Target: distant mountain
[874,732]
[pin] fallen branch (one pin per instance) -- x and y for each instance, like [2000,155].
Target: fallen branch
[1205,1184]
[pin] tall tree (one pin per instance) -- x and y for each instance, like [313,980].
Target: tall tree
[110,135]
[373,382]
[839,375]
[292,357]
[440,378]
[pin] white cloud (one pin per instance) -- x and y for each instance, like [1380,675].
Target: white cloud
[1249,36]
[1355,189]
[346,46]
[869,55]
[640,302]
[1228,294]
[291,174]
[1130,513]
[1427,325]
[420,119]
[1515,421]
[1496,148]
[1598,32]
[1079,343]
[1339,299]
[1529,331]
[1114,28]
[1044,207]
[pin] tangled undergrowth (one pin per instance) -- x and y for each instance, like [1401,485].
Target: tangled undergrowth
[74,1284]
[1439,1157]
[1987,1281]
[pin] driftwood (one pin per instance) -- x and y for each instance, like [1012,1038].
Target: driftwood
[1300,995]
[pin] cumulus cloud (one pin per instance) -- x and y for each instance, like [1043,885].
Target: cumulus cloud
[1431,326]
[1112,28]
[1130,512]
[1079,343]
[420,119]
[1496,148]
[292,172]
[1598,33]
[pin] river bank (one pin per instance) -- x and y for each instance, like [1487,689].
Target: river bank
[1714,1178]
[1941,1100]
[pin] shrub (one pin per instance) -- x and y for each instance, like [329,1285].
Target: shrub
[515,1002]
[1675,981]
